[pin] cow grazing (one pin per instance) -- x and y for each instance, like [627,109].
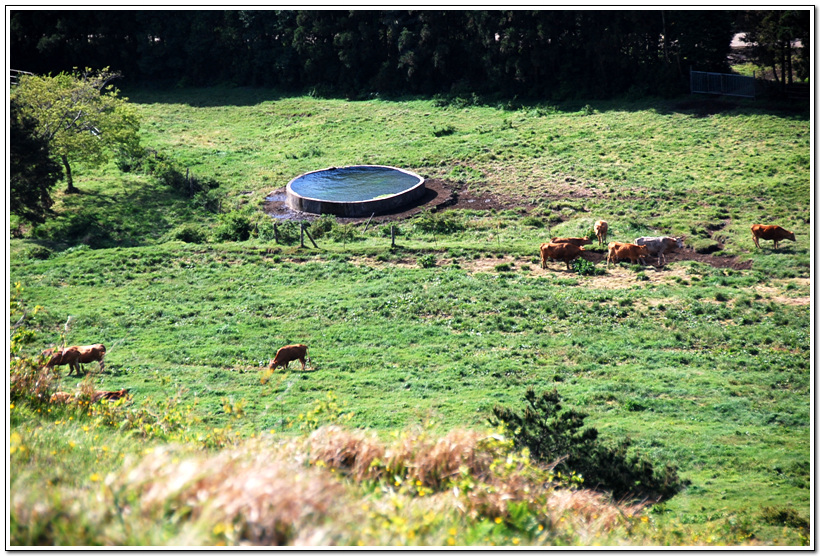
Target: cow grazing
[95,352]
[658,245]
[579,241]
[601,230]
[75,355]
[617,251]
[286,354]
[65,356]
[566,252]
[774,233]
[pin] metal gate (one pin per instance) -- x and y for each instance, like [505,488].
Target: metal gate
[721,84]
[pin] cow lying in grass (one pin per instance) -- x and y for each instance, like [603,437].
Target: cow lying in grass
[110,395]
[774,233]
[286,354]
[74,356]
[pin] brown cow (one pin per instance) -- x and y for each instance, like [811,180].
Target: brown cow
[111,395]
[566,252]
[601,230]
[65,356]
[579,241]
[775,233]
[75,355]
[617,250]
[286,354]
[95,352]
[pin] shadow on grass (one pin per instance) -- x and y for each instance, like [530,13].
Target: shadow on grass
[122,212]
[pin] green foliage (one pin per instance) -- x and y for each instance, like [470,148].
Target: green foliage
[444,131]
[584,267]
[189,233]
[29,380]
[32,172]
[439,222]
[426,261]
[80,115]
[323,226]
[233,226]
[555,436]
[783,516]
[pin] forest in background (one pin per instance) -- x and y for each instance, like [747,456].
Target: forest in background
[557,54]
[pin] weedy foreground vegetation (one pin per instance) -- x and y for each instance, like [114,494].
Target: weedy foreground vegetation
[386,438]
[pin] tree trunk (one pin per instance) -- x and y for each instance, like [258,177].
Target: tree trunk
[70,188]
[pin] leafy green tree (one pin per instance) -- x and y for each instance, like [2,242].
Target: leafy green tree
[33,173]
[80,115]
[772,34]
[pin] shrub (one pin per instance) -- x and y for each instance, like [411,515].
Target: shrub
[783,516]
[444,131]
[427,261]
[584,267]
[234,226]
[29,380]
[189,234]
[323,226]
[532,222]
[37,252]
[446,222]
[556,435]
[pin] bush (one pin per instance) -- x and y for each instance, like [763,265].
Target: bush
[446,222]
[532,222]
[427,261]
[584,267]
[556,436]
[37,252]
[783,516]
[189,234]
[29,380]
[322,226]
[234,226]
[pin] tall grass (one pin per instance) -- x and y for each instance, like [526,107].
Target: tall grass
[704,368]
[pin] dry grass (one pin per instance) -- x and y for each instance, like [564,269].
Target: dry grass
[246,494]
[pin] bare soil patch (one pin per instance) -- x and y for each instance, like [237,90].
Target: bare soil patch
[442,195]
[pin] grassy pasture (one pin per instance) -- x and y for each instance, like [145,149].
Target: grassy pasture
[707,368]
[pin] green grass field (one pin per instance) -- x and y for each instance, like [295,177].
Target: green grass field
[703,367]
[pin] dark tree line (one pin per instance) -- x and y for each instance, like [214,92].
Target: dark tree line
[547,53]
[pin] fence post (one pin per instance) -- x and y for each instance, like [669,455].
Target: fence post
[392,236]
[301,234]
[310,237]
[276,232]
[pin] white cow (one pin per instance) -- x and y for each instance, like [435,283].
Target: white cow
[657,245]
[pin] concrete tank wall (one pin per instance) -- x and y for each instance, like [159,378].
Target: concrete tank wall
[355,208]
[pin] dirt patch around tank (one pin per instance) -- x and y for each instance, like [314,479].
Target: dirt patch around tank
[442,195]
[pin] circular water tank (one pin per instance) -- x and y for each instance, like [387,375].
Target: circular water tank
[354,190]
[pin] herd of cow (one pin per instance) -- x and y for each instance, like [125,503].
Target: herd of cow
[567,249]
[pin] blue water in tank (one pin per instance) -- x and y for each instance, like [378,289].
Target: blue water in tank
[353,183]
